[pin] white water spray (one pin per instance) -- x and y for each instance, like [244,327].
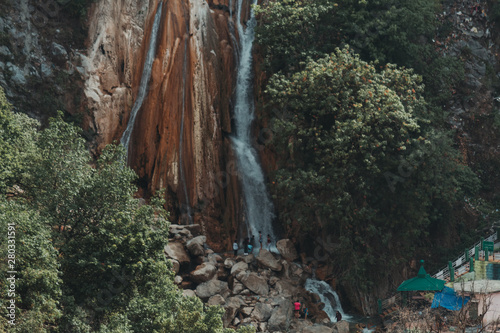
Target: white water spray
[146,74]
[328,296]
[259,208]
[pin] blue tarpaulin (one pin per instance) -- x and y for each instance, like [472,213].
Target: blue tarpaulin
[449,300]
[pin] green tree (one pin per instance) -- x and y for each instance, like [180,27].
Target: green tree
[361,161]
[38,283]
[289,31]
[387,31]
[90,255]
[17,137]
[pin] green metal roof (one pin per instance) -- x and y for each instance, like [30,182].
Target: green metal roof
[422,282]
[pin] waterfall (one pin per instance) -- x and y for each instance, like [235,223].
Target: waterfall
[258,206]
[146,74]
[328,296]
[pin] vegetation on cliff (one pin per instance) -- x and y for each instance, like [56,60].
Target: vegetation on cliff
[364,152]
[89,256]
[362,161]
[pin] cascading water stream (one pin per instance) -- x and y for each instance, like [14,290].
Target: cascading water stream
[146,74]
[328,296]
[259,208]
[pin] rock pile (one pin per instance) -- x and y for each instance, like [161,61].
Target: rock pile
[257,290]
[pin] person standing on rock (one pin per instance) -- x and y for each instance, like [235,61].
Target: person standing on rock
[245,246]
[305,312]
[268,242]
[235,248]
[260,239]
[297,308]
[252,244]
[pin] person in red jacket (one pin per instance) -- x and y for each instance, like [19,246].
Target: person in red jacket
[297,309]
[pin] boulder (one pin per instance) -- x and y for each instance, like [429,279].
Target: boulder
[273,280]
[315,297]
[216,300]
[176,251]
[287,249]
[59,50]
[186,284]
[179,231]
[296,270]
[247,310]
[232,307]
[267,260]
[281,316]
[317,329]
[188,293]
[222,273]
[262,312]
[229,262]
[175,265]
[195,246]
[239,267]
[285,288]
[341,327]
[211,288]
[210,258]
[245,292]
[177,279]
[320,316]
[248,258]
[203,273]
[237,288]
[16,74]
[255,283]
[248,322]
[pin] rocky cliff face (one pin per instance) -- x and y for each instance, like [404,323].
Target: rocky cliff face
[41,45]
[180,138]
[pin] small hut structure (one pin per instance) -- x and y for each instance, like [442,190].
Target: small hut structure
[422,282]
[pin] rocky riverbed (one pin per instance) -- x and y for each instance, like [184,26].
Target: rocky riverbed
[254,289]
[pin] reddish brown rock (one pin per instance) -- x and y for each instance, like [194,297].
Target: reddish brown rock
[179,140]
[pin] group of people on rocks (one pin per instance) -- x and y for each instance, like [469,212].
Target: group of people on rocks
[300,310]
[249,244]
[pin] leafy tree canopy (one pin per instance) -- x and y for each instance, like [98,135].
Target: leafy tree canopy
[388,31]
[89,255]
[361,160]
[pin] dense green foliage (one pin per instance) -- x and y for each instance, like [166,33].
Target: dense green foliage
[388,31]
[364,155]
[362,161]
[17,137]
[89,256]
